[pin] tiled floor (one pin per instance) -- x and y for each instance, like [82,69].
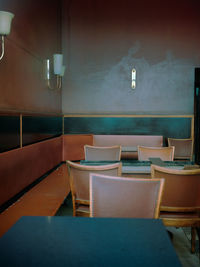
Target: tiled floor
[181,242]
[181,239]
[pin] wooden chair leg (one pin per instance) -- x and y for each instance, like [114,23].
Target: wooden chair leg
[74,205]
[198,234]
[193,239]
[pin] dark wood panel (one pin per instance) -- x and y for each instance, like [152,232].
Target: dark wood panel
[40,128]
[9,132]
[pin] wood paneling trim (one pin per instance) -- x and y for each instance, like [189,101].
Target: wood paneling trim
[127,116]
[20,132]
[10,112]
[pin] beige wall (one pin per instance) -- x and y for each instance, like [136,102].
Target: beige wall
[104,40]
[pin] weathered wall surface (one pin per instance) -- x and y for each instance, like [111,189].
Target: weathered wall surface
[104,40]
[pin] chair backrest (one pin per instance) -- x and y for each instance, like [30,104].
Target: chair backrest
[182,188]
[79,177]
[164,153]
[93,153]
[124,197]
[183,148]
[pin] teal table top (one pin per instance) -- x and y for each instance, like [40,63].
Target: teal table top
[131,162]
[75,241]
[141,167]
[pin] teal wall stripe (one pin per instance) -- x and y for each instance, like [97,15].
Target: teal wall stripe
[40,128]
[176,127]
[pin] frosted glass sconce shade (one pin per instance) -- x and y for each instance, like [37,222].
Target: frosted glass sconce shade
[57,63]
[5,22]
[58,70]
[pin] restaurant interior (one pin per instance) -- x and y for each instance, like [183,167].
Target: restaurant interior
[75,75]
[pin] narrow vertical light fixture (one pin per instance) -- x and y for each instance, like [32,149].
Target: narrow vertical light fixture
[58,68]
[133,84]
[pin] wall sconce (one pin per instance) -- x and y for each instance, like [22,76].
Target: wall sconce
[133,85]
[5,24]
[59,70]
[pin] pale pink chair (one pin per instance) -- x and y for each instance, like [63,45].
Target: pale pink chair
[164,153]
[98,153]
[183,148]
[79,183]
[180,205]
[124,197]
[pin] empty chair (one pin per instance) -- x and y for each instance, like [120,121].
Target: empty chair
[124,197]
[79,183]
[164,153]
[97,153]
[180,204]
[183,148]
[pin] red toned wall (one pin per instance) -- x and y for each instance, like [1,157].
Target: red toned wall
[35,35]
[104,40]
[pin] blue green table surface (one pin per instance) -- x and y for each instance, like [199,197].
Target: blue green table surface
[139,167]
[130,162]
[75,241]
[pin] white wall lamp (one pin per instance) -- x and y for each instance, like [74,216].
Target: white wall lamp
[59,70]
[5,25]
[133,84]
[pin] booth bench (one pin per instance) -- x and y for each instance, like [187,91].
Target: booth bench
[45,160]
[21,167]
[129,143]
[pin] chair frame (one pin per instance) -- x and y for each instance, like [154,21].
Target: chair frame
[153,149]
[114,178]
[103,148]
[186,220]
[77,201]
[169,139]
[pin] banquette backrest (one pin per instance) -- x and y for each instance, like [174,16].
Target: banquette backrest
[128,141]
[22,166]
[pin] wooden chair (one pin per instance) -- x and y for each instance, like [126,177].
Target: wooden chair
[164,153]
[79,183]
[183,148]
[124,197]
[93,153]
[180,206]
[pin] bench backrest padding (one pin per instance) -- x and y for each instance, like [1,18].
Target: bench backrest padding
[20,167]
[128,141]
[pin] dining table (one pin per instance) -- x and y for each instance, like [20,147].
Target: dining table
[137,168]
[38,241]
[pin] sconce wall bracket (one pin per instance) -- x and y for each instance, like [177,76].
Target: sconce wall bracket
[2,47]
[5,25]
[133,84]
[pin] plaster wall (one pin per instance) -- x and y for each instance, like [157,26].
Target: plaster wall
[103,41]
